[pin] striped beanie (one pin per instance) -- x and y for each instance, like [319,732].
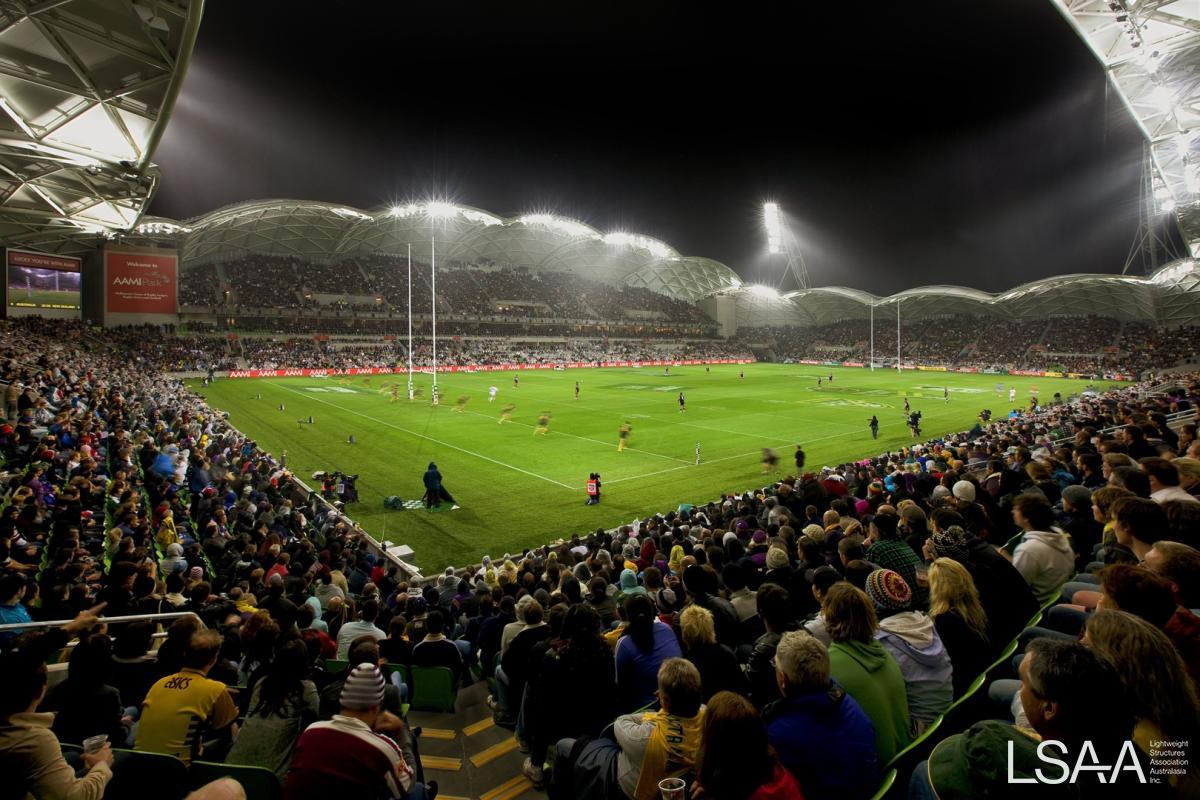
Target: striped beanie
[363,688]
[887,590]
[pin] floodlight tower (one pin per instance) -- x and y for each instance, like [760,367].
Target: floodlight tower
[781,242]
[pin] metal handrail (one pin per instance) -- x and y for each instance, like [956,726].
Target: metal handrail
[60,623]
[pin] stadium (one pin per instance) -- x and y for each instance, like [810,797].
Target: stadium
[418,498]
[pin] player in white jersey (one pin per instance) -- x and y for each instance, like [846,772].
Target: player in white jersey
[1012,394]
[492,393]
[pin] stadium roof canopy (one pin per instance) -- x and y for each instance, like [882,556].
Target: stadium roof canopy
[327,233]
[86,89]
[1151,53]
[1171,296]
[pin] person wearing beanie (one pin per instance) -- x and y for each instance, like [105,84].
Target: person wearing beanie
[912,639]
[964,491]
[349,755]
[886,548]
[779,569]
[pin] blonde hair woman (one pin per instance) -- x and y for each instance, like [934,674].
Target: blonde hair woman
[1156,682]
[719,668]
[960,620]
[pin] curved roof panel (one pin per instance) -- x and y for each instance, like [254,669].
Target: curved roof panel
[86,89]
[539,242]
[1171,296]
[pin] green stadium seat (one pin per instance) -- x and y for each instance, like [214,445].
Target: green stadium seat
[432,688]
[260,783]
[916,744]
[1005,655]
[885,785]
[1011,544]
[146,776]
[336,666]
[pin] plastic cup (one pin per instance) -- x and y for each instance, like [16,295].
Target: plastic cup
[93,743]
[672,789]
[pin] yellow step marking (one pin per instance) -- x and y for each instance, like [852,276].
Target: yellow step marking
[478,727]
[451,797]
[438,733]
[494,752]
[441,762]
[509,789]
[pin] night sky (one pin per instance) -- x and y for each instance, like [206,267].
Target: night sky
[942,142]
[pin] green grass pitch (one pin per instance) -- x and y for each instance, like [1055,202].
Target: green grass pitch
[519,489]
[42,298]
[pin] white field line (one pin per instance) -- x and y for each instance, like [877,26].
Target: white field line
[430,439]
[608,445]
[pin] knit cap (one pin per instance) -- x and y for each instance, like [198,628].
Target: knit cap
[950,543]
[777,558]
[814,532]
[363,689]
[965,491]
[887,590]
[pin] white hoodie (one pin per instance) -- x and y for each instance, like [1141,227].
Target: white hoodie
[1046,561]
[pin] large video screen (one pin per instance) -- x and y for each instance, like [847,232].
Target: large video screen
[39,280]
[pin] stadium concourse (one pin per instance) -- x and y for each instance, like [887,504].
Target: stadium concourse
[872,616]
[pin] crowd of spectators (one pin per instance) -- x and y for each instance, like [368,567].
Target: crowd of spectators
[783,642]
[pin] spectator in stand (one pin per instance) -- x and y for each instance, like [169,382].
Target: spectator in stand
[1044,557]
[282,704]
[512,669]
[701,586]
[859,663]
[363,650]
[821,734]
[435,650]
[912,639]
[649,747]
[1060,684]
[365,626]
[735,761]
[775,611]
[1164,481]
[182,709]
[579,657]
[887,550]
[960,621]
[85,705]
[1153,675]
[645,644]
[718,666]
[30,755]
[352,755]
[1138,523]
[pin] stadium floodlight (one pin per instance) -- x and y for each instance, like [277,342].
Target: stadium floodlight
[758,290]
[480,217]
[774,223]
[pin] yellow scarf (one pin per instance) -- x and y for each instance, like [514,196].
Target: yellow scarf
[670,752]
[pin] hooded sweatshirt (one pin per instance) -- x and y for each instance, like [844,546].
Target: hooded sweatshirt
[1046,561]
[871,676]
[913,641]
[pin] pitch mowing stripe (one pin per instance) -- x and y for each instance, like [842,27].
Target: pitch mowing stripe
[608,445]
[430,439]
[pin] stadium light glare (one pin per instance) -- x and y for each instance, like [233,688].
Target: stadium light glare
[763,291]
[1162,97]
[653,246]
[439,209]
[567,227]
[774,224]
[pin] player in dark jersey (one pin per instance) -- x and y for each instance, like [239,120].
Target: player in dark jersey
[682,403]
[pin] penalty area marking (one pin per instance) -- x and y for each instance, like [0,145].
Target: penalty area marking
[480,456]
